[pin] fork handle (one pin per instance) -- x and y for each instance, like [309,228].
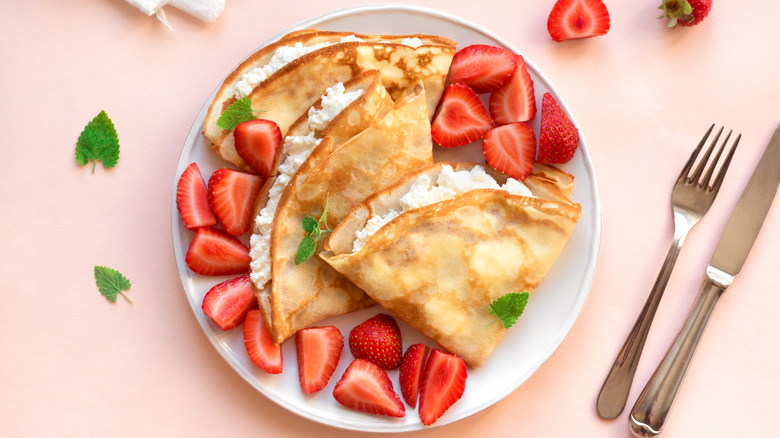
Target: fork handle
[614,393]
[652,407]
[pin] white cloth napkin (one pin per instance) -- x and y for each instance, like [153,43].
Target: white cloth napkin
[206,10]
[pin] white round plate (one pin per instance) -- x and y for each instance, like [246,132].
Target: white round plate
[550,313]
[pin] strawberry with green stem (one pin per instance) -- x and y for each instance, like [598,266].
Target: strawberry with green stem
[685,12]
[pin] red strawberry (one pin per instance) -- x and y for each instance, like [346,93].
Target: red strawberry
[514,101]
[481,67]
[318,350]
[259,345]
[231,195]
[379,340]
[215,252]
[257,142]
[228,302]
[366,387]
[411,372]
[191,199]
[461,117]
[571,19]
[685,12]
[442,384]
[558,137]
[511,149]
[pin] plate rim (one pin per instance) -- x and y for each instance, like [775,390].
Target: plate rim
[589,268]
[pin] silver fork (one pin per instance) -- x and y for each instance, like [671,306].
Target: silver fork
[692,196]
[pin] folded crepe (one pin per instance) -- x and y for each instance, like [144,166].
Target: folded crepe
[284,78]
[292,296]
[439,246]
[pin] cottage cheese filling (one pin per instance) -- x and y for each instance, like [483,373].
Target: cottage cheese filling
[449,184]
[332,103]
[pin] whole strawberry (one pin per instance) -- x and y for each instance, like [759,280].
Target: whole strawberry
[558,137]
[685,12]
[378,340]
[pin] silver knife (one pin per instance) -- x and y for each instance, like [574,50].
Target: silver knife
[652,407]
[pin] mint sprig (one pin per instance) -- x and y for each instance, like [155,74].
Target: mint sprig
[508,308]
[314,233]
[110,283]
[238,112]
[98,141]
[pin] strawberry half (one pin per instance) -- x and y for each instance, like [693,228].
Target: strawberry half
[461,117]
[443,382]
[231,194]
[366,387]
[483,68]
[227,303]
[377,339]
[318,350]
[411,372]
[215,252]
[259,345]
[257,142]
[571,19]
[191,199]
[511,149]
[514,101]
[558,137]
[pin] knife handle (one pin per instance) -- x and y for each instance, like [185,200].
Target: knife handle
[652,407]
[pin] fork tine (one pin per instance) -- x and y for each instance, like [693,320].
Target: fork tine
[692,159]
[706,180]
[725,166]
[706,157]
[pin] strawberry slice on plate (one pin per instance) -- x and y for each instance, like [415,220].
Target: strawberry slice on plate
[514,101]
[511,149]
[570,19]
[215,252]
[483,68]
[231,195]
[257,142]
[191,199]
[227,303]
[443,382]
[558,137]
[259,345]
[461,118]
[411,372]
[377,339]
[318,350]
[366,387]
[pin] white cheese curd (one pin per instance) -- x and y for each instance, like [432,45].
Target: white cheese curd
[412,42]
[333,102]
[297,148]
[449,184]
[281,57]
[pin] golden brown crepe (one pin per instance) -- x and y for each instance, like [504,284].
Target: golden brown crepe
[286,93]
[438,267]
[392,146]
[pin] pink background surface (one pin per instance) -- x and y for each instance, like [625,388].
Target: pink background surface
[73,364]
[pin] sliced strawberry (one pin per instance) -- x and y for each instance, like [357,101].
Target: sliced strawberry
[511,149]
[215,252]
[257,142]
[411,372]
[483,68]
[443,382]
[231,194]
[377,339]
[227,303]
[191,199]
[571,19]
[461,117]
[558,137]
[318,350]
[366,387]
[514,101]
[259,345]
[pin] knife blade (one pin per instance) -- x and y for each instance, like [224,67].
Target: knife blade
[649,414]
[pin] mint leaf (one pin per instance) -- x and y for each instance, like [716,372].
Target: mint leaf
[98,141]
[306,249]
[310,224]
[110,283]
[238,112]
[508,308]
